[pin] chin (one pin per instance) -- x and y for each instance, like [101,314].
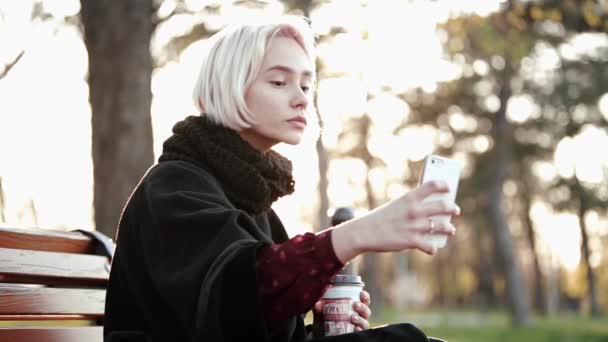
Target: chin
[293,140]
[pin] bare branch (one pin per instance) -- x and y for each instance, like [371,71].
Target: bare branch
[9,66]
[179,43]
[179,9]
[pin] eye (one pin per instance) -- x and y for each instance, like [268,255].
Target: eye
[278,83]
[305,89]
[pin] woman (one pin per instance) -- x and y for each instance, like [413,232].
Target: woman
[200,255]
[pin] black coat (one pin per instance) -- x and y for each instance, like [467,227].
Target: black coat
[184,266]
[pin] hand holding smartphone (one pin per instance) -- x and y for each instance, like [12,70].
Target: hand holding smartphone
[444,169]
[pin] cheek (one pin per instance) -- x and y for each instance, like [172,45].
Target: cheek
[261,101]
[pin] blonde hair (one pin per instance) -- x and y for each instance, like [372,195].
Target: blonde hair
[234,61]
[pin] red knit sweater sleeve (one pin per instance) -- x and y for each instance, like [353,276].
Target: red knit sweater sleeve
[293,275]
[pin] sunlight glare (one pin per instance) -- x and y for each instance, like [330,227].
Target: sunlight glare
[418,141]
[377,146]
[481,144]
[546,171]
[234,13]
[338,100]
[62,8]
[378,180]
[387,112]
[347,185]
[57,137]
[166,8]
[521,108]
[565,152]
[396,25]
[559,234]
[345,54]
[590,166]
[602,105]
[16,19]
[457,121]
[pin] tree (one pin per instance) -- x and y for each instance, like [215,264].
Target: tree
[577,113]
[358,129]
[497,43]
[117,37]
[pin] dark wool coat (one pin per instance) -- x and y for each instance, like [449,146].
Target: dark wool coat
[184,268]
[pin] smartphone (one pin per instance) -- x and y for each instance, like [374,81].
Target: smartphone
[445,169]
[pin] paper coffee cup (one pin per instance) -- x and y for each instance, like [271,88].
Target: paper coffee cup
[338,302]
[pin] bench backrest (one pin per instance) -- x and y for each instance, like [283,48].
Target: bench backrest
[52,286]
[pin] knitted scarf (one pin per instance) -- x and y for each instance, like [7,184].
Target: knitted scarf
[251,179]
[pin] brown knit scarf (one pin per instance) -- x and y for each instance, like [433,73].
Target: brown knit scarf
[252,180]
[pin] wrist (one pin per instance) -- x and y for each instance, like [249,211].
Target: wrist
[348,240]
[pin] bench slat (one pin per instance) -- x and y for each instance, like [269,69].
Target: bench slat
[45,240]
[17,265]
[22,319]
[66,334]
[18,300]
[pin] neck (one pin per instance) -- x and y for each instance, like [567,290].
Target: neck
[256,140]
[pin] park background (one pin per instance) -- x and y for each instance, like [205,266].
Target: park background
[517,91]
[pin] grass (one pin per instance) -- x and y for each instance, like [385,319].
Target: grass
[471,326]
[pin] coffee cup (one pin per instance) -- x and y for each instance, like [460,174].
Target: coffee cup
[338,300]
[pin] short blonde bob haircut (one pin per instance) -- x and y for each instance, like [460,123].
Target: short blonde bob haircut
[234,61]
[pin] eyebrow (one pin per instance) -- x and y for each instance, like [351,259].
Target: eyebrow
[287,69]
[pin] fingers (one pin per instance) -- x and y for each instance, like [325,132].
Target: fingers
[422,244]
[426,189]
[440,226]
[359,322]
[317,311]
[362,310]
[431,208]
[365,298]
[318,308]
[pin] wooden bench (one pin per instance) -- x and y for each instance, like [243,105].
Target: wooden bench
[52,286]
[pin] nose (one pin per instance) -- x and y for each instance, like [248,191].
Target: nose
[299,99]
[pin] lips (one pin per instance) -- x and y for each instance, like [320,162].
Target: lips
[299,119]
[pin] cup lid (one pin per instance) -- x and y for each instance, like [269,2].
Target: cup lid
[347,279]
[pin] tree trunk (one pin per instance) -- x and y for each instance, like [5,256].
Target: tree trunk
[516,290]
[371,266]
[371,261]
[442,296]
[539,286]
[323,185]
[117,36]
[485,273]
[553,286]
[586,253]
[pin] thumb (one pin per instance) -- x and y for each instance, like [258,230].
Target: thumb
[318,308]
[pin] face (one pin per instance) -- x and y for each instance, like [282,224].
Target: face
[280,95]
